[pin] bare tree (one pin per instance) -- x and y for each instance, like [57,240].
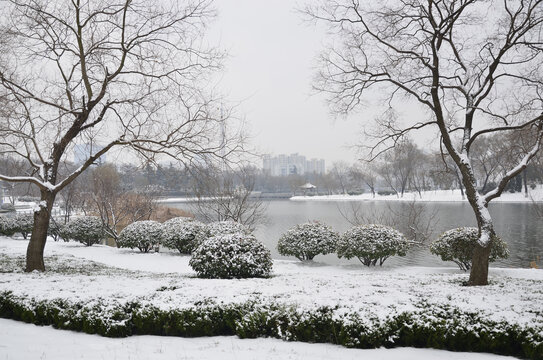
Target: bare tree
[227,195]
[364,173]
[398,165]
[487,156]
[72,198]
[126,74]
[474,67]
[116,206]
[340,172]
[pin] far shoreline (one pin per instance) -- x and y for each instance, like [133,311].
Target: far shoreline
[444,196]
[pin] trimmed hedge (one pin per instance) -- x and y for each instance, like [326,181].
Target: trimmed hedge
[458,244]
[19,223]
[372,243]
[143,235]
[182,233]
[305,241]
[440,327]
[87,230]
[231,256]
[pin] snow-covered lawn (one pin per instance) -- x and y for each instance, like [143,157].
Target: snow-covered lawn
[164,280]
[20,341]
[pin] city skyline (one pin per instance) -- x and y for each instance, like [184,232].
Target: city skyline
[292,164]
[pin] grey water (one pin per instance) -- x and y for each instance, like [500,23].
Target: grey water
[516,223]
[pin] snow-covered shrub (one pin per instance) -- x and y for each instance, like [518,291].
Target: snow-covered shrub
[305,241]
[7,226]
[182,233]
[225,227]
[20,223]
[143,235]
[227,256]
[372,243]
[87,230]
[457,245]
[55,230]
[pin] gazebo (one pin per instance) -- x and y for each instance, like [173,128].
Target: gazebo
[308,187]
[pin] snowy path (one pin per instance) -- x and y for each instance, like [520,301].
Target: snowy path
[20,341]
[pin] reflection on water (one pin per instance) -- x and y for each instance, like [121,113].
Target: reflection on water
[517,224]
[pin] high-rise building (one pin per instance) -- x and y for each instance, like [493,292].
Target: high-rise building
[284,165]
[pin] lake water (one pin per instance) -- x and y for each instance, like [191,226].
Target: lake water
[516,223]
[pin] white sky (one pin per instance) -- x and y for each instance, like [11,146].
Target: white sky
[272,60]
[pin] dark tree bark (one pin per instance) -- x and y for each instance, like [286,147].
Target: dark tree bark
[38,239]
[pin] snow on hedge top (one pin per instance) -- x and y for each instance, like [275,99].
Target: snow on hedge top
[182,233]
[305,241]
[234,255]
[371,243]
[141,234]
[457,245]
[225,227]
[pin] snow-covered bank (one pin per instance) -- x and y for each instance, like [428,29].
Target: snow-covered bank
[164,280]
[48,343]
[427,196]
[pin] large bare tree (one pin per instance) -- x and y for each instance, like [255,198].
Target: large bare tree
[122,73]
[474,66]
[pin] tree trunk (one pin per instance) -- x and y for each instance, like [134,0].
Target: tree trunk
[525,178]
[479,266]
[36,245]
[479,263]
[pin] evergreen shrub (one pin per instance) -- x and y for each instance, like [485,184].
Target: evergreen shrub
[457,245]
[305,241]
[372,244]
[143,235]
[227,256]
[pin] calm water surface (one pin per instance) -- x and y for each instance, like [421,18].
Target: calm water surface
[517,224]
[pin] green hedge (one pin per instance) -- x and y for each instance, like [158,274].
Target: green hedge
[439,327]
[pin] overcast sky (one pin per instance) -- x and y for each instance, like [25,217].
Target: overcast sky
[272,59]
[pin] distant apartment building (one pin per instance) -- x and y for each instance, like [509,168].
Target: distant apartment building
[284,165]
[83,151]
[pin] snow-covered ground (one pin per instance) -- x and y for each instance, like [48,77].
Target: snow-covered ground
[117,276]
[432,195]
[165,280]
[20,341]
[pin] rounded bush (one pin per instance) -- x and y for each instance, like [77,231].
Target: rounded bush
[305,241]
[55,230]
[25,224]
[143,235]
[87,230]
[20,223]
[182,233]
[372,243]
[457,245]
[227,256]
[225,227]
[7,226]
